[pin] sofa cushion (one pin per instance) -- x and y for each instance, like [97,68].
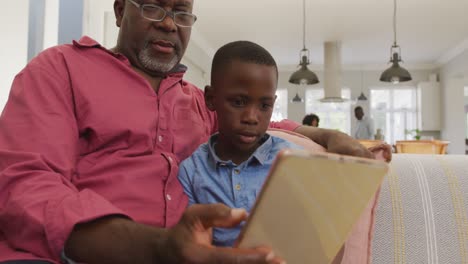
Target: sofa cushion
[421,216]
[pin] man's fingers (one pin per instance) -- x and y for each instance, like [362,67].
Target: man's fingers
[383,151]
[216,215]
[244,256]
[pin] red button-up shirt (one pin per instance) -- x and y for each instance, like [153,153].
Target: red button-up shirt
[84,136]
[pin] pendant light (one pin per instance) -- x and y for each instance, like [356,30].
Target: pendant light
[395,73]
[303,75]
[362,96]
[297,98]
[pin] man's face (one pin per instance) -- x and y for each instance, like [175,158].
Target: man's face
[358,113]
[153,47]
[243,98]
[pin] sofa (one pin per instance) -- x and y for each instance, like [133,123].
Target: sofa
[419,215]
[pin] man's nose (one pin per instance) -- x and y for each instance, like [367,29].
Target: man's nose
[168,23]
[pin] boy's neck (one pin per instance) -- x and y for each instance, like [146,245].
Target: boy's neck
[225,151]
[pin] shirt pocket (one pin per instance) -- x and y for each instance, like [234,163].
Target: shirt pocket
[189,132]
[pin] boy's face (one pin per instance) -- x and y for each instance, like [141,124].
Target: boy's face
[243,97]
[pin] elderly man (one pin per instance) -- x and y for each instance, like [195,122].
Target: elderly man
[90,142]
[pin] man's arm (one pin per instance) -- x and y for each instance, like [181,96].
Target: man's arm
[39,205]
[335,141]
[121,241]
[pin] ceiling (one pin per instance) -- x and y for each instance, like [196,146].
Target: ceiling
[430,32]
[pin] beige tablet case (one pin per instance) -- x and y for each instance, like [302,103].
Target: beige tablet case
[309,203]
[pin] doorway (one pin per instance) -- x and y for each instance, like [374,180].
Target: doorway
[466,117]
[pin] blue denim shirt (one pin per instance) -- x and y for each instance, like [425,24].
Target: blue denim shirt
[207,179]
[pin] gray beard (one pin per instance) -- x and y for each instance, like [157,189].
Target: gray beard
[152,64]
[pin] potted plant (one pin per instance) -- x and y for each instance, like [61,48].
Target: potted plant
[416,133]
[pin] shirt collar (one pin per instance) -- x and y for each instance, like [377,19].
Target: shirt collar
[260,154]
[87,42]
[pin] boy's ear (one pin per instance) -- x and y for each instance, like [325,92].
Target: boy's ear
[209,97]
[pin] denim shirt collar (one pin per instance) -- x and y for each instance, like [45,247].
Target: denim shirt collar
[260,155]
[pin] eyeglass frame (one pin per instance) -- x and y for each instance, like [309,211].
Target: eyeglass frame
[166,13]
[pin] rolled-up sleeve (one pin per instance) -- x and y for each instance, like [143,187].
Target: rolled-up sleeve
[39,146]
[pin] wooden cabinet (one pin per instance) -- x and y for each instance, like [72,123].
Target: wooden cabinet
[429,106]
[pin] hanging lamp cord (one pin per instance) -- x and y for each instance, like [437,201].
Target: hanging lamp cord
[394,22]
[304,24]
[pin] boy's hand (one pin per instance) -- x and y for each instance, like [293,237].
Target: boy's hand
[190,240]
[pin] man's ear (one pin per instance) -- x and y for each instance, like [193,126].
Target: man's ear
[209,97]
[119,7]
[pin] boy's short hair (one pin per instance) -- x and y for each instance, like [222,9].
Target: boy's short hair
[244,51]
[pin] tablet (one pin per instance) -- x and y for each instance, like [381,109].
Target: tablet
[309,204]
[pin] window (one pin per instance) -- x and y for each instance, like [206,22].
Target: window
[394,111]
[280,110]
[332,115]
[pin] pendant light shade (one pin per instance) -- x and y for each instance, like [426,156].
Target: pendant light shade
[362,97]
[395,74]
[304,75]
[297,99]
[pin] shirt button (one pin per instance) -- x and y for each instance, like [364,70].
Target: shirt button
[168,197]
[160,138]
[236,171]
[238,187]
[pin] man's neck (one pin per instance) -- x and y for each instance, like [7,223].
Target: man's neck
[155,81]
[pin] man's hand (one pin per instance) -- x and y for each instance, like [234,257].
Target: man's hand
[382,152]
[190,240]
[119,240]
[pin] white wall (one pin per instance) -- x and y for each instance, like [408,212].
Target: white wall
[51,21]
[351,79]
[454,76]
[14,48]
[93,18]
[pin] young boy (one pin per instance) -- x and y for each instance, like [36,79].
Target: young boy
[232,166]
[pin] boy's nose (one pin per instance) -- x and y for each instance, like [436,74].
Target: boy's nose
[250,116]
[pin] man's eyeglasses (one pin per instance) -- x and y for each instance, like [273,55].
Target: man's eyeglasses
[157,13]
